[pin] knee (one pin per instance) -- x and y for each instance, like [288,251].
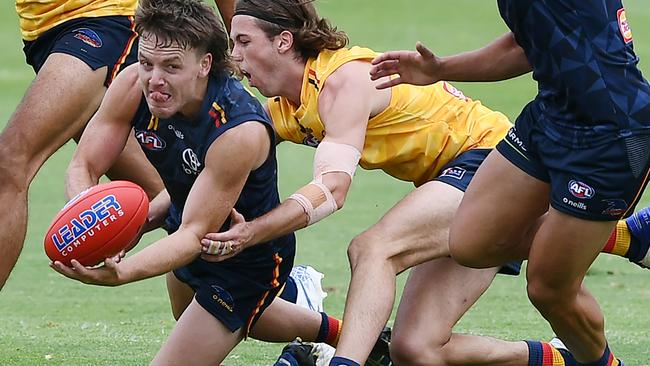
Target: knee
[479,250]
[462,249]
[414,352]
[548,300]
[14,167]
[366,248]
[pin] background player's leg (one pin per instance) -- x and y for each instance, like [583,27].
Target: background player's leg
[283,321]
[557,265]
[47,117]
[413,231]
[497,218]
[197,339]
[180,294]
[436,295]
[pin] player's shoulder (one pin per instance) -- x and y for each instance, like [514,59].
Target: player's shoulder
[352,75]
[127,81]
[233,98]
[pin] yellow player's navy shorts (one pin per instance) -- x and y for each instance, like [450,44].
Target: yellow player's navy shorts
[458,173]
[109,41]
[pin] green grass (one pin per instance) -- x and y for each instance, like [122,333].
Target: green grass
[48,320]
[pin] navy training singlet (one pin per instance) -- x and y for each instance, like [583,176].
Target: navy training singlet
[582,56]
[177,147]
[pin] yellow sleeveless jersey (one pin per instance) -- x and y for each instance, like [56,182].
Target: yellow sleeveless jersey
[422,129]
[37,16]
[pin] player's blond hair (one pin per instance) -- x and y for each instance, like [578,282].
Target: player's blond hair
[311,33]
[188,23]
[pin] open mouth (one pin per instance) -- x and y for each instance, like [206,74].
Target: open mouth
[245,74]
[159,97]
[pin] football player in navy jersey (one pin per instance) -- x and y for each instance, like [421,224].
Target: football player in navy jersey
[574,163]
[76,48]
[212,144]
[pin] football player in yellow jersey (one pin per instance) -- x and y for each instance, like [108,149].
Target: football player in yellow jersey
[321,95]
[76,49]
[326,99]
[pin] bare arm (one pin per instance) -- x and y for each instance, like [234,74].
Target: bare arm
[346,103]
[246,147]
[502,59]
[106,133]
[158,209]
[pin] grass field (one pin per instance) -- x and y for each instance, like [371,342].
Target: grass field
[46,319]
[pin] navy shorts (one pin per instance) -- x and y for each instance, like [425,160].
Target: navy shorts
[458,173]
[103,41]
[599,179]
[238,290]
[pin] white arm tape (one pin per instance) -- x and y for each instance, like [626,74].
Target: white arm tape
[335,157]
[316,200]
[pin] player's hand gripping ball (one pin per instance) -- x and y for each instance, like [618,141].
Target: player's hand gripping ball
[97,224]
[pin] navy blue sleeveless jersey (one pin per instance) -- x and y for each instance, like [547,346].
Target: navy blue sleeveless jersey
[582,56]
[177,147]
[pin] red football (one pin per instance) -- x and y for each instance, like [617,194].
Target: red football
[98,223]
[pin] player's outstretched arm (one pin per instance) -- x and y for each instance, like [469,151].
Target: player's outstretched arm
[345,105]
[419,67]
[105,136]
[502,59]
[246,148]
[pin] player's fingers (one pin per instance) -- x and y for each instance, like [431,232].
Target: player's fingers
[118,257]
[63,269]
[389,83]
[111,264]
[424,51]
[386,56]
[236,217]
[211,246]
[385,68]
[78,267]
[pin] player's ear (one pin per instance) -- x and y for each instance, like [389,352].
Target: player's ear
[285,43]
[206,65]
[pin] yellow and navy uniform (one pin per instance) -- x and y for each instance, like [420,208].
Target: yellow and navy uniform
[420,131]
[37,16]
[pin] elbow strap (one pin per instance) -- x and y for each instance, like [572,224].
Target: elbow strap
[316,200]
[335,157]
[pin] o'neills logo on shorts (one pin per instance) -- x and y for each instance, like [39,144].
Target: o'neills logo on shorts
[624,26]
[223,298]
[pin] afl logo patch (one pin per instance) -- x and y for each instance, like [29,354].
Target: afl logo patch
[150,140]
[453,172]
[88,36]
[581,190]
[624,26]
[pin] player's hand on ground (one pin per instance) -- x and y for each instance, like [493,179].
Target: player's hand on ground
[106,275]
[217,247]
[420,67]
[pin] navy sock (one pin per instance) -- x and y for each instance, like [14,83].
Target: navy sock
[290,291]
